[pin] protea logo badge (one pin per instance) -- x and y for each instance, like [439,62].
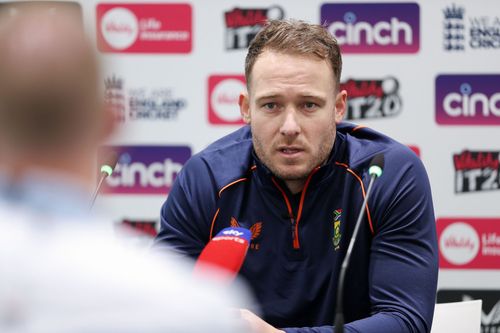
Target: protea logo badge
[374,27]
[337,214]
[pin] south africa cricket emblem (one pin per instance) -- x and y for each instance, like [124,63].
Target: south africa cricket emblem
[337,214]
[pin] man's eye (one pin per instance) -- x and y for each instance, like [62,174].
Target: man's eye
[270,106]
[310,106]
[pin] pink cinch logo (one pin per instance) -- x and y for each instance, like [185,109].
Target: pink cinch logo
[468,99]
[145,169]
[374,27]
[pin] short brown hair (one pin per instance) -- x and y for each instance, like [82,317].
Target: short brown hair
[295,37]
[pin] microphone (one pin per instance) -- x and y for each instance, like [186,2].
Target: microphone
[224,255]
[106,170]
[374,170]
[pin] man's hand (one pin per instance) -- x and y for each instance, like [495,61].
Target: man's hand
[256,324]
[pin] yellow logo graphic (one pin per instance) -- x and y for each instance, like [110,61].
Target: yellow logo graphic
[337,214]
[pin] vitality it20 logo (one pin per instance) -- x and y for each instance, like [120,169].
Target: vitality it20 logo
[242,24]
[145,169]
[477,171]
[144,28]
[369,99]
[468,99]
[374,27]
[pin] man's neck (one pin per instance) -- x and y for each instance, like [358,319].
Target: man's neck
[295,186]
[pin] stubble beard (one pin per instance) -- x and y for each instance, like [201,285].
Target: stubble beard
[284,172]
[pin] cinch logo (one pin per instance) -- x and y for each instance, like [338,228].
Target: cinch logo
[370,99]
[223,94]
[145,169]
[144,28]
[374,27]
[141,103]
[477,171]
[242,24]
[468,99]
[469,243]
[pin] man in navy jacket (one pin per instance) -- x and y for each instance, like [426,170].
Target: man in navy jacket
[296,177]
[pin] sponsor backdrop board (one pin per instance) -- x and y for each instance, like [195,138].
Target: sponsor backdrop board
[424,72]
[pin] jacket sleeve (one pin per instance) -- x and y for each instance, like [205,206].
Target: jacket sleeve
[404,255]
[187,214]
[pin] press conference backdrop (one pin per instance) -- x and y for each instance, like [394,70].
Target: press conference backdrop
[426,73]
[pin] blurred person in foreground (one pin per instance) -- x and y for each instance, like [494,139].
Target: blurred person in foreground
[296,177]
[61,269]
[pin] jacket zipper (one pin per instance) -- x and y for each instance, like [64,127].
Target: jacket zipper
[295,235]
[295,221]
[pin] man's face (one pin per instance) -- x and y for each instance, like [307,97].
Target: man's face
[293,109]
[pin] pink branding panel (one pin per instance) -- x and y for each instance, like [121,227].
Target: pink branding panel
[469,243]
[144,28]
[145,169]
[468,99]
[223,94]
[374,27]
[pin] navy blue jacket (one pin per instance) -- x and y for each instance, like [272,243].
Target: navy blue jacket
[299,241]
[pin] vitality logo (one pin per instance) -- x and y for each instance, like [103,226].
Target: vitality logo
[468,99]
[144,28]
[242,24]
[145,169]
[476,171]
[469,243]
[223,94]
[369,99]
[374,27]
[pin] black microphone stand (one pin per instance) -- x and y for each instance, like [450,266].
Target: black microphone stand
[378,163]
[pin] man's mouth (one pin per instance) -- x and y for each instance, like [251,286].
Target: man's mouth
[290,150]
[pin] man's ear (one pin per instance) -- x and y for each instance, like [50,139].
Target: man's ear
[340,106]
[244,104]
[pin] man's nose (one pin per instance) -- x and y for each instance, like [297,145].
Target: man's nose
[290,126]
